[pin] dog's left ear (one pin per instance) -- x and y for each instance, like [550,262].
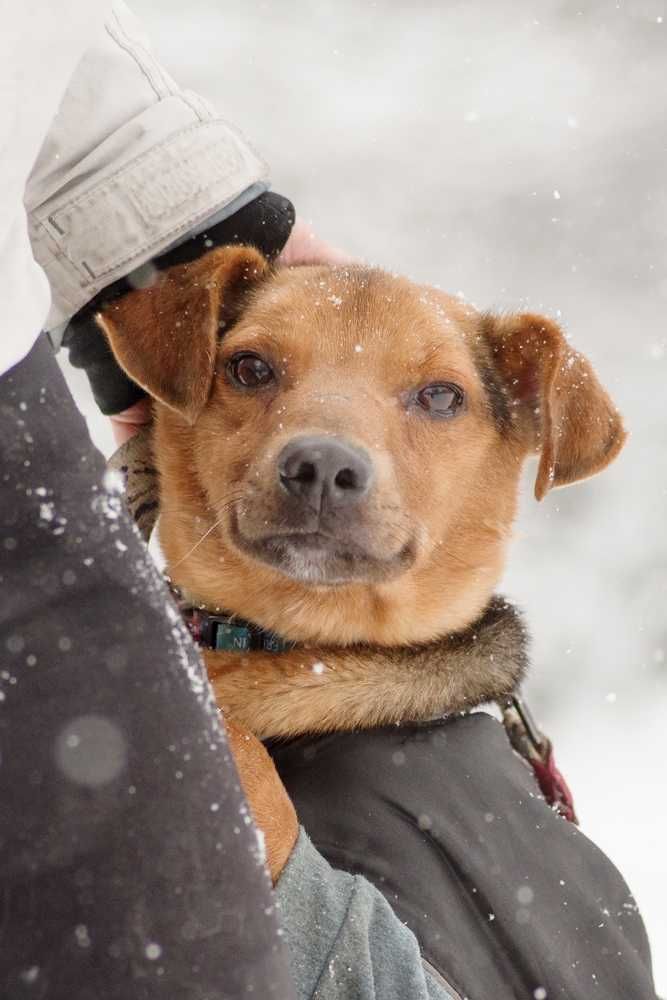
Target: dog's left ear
[561,409]
[165,335]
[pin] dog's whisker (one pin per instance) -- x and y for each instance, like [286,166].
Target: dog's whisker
[223,508]
[226,500]
[197,544]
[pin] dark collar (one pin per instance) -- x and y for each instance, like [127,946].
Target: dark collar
[224,631]
[229,632]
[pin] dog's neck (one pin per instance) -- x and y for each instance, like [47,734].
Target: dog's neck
[301,690]
[282,689]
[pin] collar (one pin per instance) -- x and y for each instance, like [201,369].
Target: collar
[222,631]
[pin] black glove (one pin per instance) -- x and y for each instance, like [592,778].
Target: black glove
[264,223]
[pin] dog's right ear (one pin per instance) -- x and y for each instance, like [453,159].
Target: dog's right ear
[561,411]
[165,335]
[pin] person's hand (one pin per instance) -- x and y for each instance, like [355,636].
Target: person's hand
[126,424]
[269,802]
[265,222]
[304,247]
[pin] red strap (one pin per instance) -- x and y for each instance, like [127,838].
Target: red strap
[554,786]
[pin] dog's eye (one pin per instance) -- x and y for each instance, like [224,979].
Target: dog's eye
[443,399]
[250,371]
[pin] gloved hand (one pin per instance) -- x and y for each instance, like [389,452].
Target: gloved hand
[265,222]
[269,802]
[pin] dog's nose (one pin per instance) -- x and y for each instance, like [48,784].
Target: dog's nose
[324,470]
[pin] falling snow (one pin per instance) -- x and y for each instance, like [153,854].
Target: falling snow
[605,602]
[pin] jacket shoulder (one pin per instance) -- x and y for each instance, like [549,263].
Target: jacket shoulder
[449,823]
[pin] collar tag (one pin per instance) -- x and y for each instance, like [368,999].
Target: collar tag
[232,637]
[231,634]
[272,643]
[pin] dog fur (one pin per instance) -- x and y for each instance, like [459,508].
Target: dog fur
[389,609]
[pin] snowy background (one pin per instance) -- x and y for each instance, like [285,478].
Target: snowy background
[515,152]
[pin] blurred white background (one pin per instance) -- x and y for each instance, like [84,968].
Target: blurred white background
[515,152]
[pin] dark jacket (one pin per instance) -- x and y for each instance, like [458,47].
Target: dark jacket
[507,899]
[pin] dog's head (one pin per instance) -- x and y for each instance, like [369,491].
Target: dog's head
[339,449]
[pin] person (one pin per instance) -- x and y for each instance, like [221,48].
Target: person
[130,863]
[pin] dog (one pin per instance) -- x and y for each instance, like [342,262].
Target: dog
[339,452]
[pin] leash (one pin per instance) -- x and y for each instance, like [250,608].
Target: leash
[535,748]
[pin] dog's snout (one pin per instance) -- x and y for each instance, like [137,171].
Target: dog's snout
[324,470]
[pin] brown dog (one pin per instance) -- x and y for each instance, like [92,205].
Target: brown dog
[339,452]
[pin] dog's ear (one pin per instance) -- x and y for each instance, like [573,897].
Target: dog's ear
[560,408]
[165,335]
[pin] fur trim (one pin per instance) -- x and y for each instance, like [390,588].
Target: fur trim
[133,461]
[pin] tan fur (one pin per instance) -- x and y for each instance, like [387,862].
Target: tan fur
[349,346]
[568,417]
[150,331]
[330,689]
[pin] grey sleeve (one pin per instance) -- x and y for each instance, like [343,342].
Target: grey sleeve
[344,940]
